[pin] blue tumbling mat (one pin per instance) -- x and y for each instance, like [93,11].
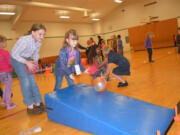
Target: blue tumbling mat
[107,113]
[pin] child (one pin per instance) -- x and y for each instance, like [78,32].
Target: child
[120,45]
[99,61]
[123,67]
[148,45]
[24,48]
[114,43]
[69,60]
[178,40]
[93,64]
[5,74]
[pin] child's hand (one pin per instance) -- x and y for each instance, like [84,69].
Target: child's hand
[30,64]
[71,76]
[86,71]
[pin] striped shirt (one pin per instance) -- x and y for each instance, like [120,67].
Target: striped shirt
[26,47]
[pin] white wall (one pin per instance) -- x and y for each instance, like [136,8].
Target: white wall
[50,46]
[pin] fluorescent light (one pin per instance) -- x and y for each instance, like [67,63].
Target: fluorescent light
[7,13]
[64,17]
[95,19]
[118,1]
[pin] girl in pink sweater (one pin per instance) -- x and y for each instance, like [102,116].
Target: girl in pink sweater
[5,74]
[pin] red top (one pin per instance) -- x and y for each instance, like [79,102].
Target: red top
[5,64]
[92,69]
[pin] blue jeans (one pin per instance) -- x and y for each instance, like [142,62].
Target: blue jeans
[59,80]
[29,88]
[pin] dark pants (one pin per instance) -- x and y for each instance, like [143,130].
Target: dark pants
[150,54]
[178,48]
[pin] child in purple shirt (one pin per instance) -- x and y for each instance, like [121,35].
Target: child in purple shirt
[148,45]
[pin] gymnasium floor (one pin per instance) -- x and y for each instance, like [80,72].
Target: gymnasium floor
[157,83]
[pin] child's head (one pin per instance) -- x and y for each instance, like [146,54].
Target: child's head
[98,51]
[3,40]
[113,36]
[91,56]
[119,36]
[103,41]
[178,30]
[150,35]
[71,38]
[38,31]
[106,51]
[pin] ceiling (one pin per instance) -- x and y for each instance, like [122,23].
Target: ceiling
[80,11]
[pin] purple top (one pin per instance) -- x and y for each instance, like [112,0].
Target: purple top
[148,43]
[71,56]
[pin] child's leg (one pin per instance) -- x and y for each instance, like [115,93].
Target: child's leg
[26,87]
[58,83]
[35,90]
[118,77]
[8,87]
[178,48]
[1,93]
[69,80]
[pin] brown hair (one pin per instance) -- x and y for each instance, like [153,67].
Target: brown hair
[91,55]
[68,34]
[2,38]
[36,27]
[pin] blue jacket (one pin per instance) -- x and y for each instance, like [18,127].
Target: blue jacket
[61,67]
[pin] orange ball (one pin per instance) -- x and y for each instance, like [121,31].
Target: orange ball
[99,84]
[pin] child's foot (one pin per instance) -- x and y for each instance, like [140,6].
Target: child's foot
[123,84]
[34,110]
[11,106]
[41,107]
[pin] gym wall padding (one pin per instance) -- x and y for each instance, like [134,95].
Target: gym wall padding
[163,32]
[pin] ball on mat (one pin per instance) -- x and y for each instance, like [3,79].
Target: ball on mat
[99,84]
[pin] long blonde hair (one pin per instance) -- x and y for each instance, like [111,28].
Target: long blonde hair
[106,50]
[68,34]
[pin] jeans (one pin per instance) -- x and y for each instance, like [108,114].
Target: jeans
[150,54]
[6,79]
[59,80]
[29,88]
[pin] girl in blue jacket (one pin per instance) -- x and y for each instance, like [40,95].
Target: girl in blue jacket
[69,60]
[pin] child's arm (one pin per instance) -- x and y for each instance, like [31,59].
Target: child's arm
[103,63]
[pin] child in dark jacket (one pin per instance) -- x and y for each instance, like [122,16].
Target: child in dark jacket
[69,60]
[123,65]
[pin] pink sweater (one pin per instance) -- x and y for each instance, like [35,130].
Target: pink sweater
[92,69]
[5,64]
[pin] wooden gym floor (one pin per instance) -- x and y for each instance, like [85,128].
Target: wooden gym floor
[157,83]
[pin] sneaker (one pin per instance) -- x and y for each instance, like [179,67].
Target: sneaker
[41,107]
[11,106]
[152,61]
[34,111]
[123,84]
